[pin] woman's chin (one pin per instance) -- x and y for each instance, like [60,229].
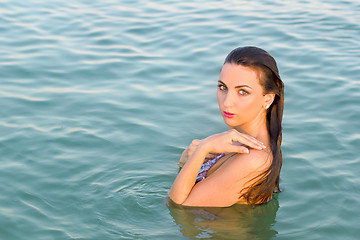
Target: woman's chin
[230,122]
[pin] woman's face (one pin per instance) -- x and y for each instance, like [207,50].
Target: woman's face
[240,96]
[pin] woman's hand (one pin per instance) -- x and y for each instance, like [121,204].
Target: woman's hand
[230,141]
[189,151]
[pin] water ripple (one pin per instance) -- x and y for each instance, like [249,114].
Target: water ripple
[99,98]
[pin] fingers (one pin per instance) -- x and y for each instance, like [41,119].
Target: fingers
[242,149]
[183,158]
[246,140]
[193,146]
[195,142]
[189,153]
[212,155]
[239,149]
[181,164]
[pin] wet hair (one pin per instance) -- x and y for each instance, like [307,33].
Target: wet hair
[265,65]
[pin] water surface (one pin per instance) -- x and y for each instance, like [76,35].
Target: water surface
[98,100]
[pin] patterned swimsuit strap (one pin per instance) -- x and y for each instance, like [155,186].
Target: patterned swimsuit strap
[206,166]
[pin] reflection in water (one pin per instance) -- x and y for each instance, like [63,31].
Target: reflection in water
[236,222]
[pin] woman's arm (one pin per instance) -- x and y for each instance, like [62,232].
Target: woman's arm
[186,178]
[218,143]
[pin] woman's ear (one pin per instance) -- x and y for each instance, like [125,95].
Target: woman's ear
[269,98]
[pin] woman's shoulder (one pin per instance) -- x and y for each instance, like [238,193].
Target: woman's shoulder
[255,160]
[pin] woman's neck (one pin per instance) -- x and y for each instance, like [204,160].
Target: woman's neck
[257,129]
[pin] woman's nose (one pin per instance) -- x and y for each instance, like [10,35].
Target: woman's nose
[228,100]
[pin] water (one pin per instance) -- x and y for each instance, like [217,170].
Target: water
[98,100]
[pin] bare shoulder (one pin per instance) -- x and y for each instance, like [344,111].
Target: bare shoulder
[255,160]
[240,167]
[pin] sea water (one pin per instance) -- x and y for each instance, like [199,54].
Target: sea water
[98,100]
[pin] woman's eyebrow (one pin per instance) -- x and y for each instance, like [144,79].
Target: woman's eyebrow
[240,86]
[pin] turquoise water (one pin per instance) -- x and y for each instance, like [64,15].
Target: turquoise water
[99,98]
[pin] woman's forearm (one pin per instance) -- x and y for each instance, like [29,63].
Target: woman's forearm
[186,178]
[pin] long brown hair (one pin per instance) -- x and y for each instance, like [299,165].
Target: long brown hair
[262,62]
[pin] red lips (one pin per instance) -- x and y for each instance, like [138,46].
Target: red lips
[228,115]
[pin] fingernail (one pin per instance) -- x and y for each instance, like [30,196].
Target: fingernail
[246,150]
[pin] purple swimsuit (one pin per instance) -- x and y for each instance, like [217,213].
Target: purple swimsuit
[206,166]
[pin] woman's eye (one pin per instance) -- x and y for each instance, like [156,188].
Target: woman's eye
[243,92]
[221,87]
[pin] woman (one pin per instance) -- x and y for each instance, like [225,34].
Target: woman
[241,165]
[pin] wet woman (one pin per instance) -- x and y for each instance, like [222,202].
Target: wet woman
[241,165]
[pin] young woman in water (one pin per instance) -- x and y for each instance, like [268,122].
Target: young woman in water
[241,165]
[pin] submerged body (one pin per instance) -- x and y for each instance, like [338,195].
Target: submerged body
[246,170]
